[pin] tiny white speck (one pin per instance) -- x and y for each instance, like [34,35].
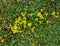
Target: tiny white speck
[41,10]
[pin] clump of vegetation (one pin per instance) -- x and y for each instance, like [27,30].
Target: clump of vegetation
[29,22]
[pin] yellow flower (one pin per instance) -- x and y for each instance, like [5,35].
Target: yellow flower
[14,29]
[24,18]
[40,22]
[24,25]
[56,16]
[15,26]
[20,23]
[40,15]
[17,20]
[23,13]
[31,14]
[29,24]
[32,29]
[32,44]
[2,40]
[24,21]
[36,19]
[53,13]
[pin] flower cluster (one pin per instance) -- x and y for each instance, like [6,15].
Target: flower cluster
[55,14]
[30,21]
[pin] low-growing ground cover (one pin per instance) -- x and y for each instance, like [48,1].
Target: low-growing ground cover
[29,22]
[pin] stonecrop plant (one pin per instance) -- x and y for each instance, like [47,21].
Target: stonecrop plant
[29,22]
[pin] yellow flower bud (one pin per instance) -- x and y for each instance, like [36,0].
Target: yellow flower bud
[2,40]
[40,22]
[40,15]
[36,19]
[32,29]
[24,25]
[53,13]
[14,31]
[31,14]
[29,24]
[32,44]
[56,16]
[23,13]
